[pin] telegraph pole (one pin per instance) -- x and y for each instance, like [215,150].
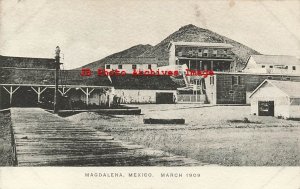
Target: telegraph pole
[57,66]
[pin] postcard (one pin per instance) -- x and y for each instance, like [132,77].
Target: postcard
[149,94]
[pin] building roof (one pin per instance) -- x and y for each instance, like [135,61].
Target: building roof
[47,77]
[130,60]
[290,88]
[276,59]
[201,44]
[26,62]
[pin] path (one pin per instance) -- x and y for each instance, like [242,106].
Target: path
[45,139]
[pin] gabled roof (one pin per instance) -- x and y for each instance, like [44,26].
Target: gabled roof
[290,88]
[200,44]
[276,59]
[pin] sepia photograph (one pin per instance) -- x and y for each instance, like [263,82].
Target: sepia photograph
[141,91]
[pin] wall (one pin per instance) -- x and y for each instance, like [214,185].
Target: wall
[211,88]
[229,93]
[128,67]
[275,69]
[252,67]
[172,60]
[127,96]
[97,97]
[294,108]
[139,96]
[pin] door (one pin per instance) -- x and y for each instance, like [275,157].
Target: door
[266,108]
[164,98]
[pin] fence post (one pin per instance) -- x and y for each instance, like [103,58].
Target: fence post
[13,145]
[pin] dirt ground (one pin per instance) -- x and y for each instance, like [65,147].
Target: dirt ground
[223,135]
[5,139]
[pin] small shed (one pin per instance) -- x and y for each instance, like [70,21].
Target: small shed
[276,98]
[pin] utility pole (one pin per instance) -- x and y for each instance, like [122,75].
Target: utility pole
[196,90]
[0,97]
[57,66]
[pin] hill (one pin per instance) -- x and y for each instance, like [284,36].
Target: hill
[188,33]
[191,33]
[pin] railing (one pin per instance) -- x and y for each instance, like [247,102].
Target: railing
[189,98]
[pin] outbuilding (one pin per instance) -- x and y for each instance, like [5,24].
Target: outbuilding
[276,98]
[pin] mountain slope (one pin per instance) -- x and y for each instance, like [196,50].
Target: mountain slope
[191,33]
[188,33]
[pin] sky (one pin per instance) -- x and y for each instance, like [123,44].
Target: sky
[88,30]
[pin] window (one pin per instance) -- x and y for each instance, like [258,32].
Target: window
[271,66]
[263,66]
[149,66]
[212,81]
[235,80]
[107,66]
[294,68]
[214,53]
[210,52]
[270,77]
[133,66]
[239,80]
[120,66]
[288,78]
[205,52]
[224,53]
[231,92]
[179,53]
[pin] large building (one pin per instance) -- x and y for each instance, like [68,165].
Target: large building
[202,56]
[268,64]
